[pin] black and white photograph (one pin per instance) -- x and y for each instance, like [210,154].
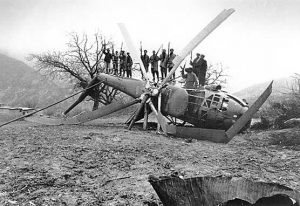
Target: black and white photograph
[149,103]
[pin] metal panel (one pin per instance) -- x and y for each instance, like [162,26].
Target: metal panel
[197,133]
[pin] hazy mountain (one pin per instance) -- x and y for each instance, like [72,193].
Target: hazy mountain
[20,85]
[280,88]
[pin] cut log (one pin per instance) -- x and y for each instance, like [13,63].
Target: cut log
[213,191]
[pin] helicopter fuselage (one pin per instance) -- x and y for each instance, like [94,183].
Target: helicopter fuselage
[206,108]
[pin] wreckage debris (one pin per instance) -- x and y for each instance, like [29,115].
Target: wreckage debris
[222,191]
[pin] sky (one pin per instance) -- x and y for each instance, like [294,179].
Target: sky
[257,43]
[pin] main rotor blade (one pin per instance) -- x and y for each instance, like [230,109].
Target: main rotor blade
[132,49]
[95,81]
[197,40]
[242,121]
[51,105]
[145,98]
[160,118]
[87,116]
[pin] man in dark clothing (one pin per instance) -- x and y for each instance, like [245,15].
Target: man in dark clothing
[107,60]
[129,64]
[195,64]
[170,63]
[199,68]
[122,58]
[146,60]
[154,65]
[163,63]
[115,62]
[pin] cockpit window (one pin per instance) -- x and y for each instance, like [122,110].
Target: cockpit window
[241,102]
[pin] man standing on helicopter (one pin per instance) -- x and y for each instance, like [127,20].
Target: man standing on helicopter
[154,65]
[163,63]
[170,63]
[199,65]
[129,64]
[191,80]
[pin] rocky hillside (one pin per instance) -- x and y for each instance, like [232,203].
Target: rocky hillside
[280,88]
[20,85]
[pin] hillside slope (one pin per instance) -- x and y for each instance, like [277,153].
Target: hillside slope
[20,85]
[280,88]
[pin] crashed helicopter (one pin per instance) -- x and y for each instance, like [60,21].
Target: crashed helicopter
[212,114]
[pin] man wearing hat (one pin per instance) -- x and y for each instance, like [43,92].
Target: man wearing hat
[199,65]
[170,63]
[129,64]
[191,80]
[163,63]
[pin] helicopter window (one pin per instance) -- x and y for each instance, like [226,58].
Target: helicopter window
[224,105]
[208,103]
[216,99]
[215,104]
[210,97]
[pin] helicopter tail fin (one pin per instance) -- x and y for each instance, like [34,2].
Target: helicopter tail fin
[242,121]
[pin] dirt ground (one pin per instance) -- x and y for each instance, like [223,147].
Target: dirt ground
[103,163]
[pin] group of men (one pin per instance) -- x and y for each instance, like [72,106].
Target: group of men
[166,63]
[122,64]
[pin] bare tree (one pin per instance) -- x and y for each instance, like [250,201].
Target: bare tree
[295,87]
[80,63]
[215,74]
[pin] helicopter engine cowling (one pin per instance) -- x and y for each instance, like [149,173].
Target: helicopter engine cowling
[174,101]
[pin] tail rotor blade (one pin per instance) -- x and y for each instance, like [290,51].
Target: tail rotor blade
[242,121]
[197,40]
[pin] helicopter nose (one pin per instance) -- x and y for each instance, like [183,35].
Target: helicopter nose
[235,110]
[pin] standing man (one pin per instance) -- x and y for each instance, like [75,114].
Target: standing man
[115,60]
[107,60]
[154,65]
[199,68]
[122,58]
[146,60]
[170,63]
[203,69]
[195,64]
[191,80]
[163,64]
[129,64]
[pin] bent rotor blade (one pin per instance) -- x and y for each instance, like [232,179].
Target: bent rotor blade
[242,121]
[160,118]
[95,81]
[197,40]
[86,116]
[145,98]
[129,43]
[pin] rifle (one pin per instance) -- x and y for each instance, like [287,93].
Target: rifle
[158,50]
[112,49]
[141,48]
[121,47]
[104,47]
[168,55]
